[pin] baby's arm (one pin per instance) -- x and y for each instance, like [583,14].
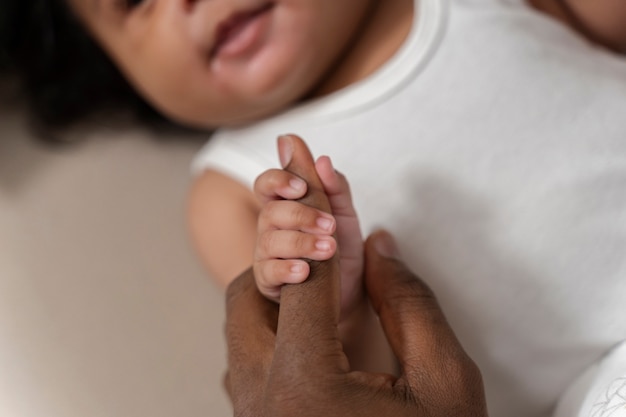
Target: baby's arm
[222,221]
[290,231]
[349,238]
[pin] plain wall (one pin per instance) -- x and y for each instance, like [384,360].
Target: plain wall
[104,309]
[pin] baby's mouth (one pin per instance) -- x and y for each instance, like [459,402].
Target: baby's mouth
[228,30]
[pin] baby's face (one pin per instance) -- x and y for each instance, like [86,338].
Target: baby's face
[223,62]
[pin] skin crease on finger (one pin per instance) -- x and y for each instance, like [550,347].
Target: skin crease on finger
[226,62]
[326,386]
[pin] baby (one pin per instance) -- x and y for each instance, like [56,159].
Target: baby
[486,135]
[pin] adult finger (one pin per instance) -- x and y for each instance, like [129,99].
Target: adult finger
[308,337]
[251,322]
[415,326]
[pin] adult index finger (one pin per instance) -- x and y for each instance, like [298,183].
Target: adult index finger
[307,336]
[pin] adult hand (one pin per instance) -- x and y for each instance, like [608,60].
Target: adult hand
[290,362]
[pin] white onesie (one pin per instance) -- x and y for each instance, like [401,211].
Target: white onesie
[493,146]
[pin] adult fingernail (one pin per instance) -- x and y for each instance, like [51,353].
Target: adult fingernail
[285,150]
[386,246]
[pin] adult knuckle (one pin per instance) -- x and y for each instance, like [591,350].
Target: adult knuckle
[287,399]
[406,392]
[284,401]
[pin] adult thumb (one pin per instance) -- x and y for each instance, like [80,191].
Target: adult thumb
[413,322]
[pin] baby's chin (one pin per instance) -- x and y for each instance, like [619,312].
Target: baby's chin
[234,104]
[235,116]
[244,118]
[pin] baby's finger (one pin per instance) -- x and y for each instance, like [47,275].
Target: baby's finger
[277,184]
[336,187]
[290,215]
[289,244]
[272,274]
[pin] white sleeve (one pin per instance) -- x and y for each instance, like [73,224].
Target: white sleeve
[600,391]
[236,158]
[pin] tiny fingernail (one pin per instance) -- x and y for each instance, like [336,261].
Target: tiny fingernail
[323,245]
[386,245]
[296,270]
[285,150]
[297,184]
[297,274]
[325,223]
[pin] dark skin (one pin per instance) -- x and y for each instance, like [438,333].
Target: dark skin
[289,361]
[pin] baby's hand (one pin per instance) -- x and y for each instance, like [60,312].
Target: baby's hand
[289,231]
[348,233]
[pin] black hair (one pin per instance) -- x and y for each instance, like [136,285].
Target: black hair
[64,75]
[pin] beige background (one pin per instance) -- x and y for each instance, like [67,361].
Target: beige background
[104,310]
